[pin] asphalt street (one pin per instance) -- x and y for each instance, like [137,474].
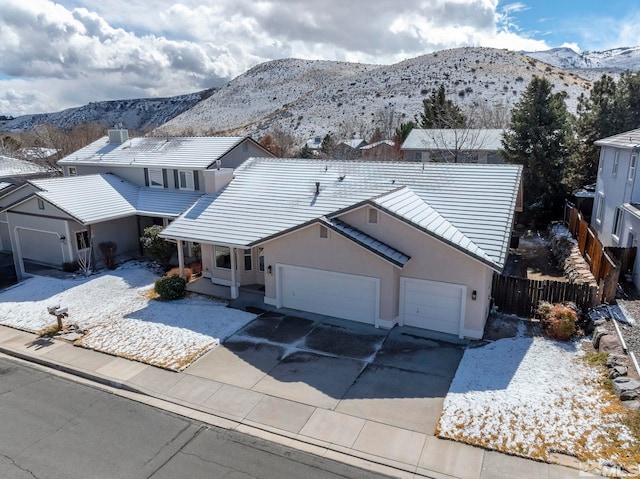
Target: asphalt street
[51,427]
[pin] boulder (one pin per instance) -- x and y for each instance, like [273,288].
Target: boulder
[618,371]
[633,405]
[627,389]
[598,333]
[599,322]
[610,343]
[614,360]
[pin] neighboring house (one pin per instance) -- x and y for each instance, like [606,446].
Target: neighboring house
[349,149]
[13,173]
[113,189]
[382,243]
[616,208]
[461,145]
[380,150]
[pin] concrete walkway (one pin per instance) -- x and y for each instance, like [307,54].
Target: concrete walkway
[225,390]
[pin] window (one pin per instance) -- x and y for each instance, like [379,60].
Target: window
[261,259]
[418,156]
[82,240]
[186,180]
[617,223]
[223,257]
[599,207]
[616,160]
[632,166]
[373,215]
[156,179]
[247,260]
[324,232]
[73,171]
[40,204]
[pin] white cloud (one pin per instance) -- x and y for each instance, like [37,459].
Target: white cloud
[68,53]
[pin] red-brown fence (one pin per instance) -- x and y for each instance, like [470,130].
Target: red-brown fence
[520,296]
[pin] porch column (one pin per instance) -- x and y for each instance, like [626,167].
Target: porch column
[181,258]
[234,286]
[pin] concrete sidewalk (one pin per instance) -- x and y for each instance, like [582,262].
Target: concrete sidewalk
[231,401]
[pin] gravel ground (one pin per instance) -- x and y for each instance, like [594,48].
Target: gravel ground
[631,332]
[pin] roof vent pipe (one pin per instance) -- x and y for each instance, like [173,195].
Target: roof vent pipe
[317,188]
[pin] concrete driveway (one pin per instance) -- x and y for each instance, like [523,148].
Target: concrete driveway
[398,377]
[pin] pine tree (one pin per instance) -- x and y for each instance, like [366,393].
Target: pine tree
[541,138]
[440,112]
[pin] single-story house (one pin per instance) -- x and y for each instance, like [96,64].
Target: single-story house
[382,243]
[456,145]
[380,150]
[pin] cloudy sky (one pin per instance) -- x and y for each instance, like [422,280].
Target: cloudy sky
[58,54]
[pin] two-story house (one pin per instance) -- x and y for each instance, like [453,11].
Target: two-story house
[112,189]
[456,145]
[616,207]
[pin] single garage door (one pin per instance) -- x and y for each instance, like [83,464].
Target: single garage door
[40,247]
[432,305]
[334,294]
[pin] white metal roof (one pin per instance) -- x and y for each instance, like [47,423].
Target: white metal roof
[96,198]
[183,152]
[354,143]
[454,139]
[270,196]
[628,139]
[378,247]
[377,144]
[15,167]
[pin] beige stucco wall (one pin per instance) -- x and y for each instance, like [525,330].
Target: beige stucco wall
[433,260]
[307,249]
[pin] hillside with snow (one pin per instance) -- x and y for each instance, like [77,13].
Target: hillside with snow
[611,61]
[312,98]
[142,114]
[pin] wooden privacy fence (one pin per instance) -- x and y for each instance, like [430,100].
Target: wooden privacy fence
[606,264]
[520,296]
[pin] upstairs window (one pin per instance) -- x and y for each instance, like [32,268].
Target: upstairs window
[156,179]
[599,207]
[616,160]
[632,166]
[418,156]
[617,223]
[185,179]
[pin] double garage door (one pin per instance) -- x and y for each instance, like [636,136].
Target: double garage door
[339,295]
[423,304]
[40,247]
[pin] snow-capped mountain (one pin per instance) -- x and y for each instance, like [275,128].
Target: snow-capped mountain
[312,98]
[142,114]
[613,61]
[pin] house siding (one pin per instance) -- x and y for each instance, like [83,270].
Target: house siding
[239,154]
[433,260]
[123,232]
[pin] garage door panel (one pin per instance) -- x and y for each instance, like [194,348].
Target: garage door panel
[324,292]
[40,247]
[432,305]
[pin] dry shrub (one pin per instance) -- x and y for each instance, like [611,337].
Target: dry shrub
[558,320]
[196,268]
[176,272]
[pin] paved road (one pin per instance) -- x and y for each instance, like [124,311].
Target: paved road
[52,428]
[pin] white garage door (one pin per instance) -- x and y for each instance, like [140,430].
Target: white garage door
[432,305]
[40,247]
[334,294]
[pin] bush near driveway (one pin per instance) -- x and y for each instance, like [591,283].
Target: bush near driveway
[170,287]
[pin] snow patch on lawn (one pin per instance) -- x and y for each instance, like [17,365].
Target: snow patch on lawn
[531,397]
[114,309]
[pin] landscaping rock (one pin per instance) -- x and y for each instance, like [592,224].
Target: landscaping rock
[598,333]
[610,343]
[627,389]
[618,371]
[614,360]
[599,322]
[633,405]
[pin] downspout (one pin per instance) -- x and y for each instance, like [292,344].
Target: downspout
[93,253]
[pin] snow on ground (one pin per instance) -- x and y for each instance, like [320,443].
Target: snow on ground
[114,309]
[531,397]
